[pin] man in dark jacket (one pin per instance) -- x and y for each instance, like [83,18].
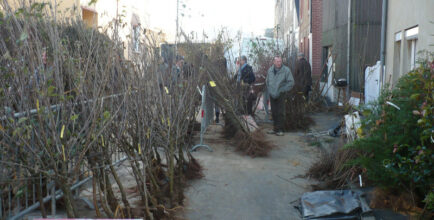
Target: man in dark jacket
[245,75]
[303,75]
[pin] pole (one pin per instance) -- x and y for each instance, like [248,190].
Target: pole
[383,42]
[277,33]
[348,51]
[177,27]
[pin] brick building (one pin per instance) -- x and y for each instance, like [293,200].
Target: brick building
[311,33]
[286,22]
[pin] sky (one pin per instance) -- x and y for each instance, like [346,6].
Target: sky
[249,16]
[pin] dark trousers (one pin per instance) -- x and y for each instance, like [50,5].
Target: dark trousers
[278,112]
[250,101]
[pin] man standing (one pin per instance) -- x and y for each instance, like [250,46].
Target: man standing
[245,75]
[177,70]
[279,82]
[303,75]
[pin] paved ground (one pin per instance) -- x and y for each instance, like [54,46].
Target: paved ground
[239,187]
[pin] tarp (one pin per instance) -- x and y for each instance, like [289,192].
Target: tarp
[336,204]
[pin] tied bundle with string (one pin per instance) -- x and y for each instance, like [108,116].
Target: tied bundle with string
[229,96]
[297,104]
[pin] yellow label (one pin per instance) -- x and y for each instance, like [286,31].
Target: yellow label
[212,84]
[168,122]
[63,151]
[167,90]
[37,104]
[61,132]
[140,149]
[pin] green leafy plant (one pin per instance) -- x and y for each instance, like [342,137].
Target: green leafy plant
[429,201]
[397,144]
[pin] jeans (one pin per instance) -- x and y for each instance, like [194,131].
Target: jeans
[278,112]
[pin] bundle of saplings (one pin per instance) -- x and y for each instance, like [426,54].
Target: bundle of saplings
[230,97]
[72,106]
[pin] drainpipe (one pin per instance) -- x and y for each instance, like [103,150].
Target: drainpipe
[383,42]
[348,51]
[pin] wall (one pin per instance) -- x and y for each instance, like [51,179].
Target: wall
[305,27]
[61,8]
[334,33]
[365,37]
[286,19]
[316,38]
[402,15]
[311,34]
[132,14]
[365,40]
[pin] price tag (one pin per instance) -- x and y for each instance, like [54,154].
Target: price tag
[63,152]
[62,131]
[140,149]
[212,84]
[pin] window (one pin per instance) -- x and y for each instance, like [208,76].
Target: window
[325,59]
[396,58]
[89,16]
[412,53]
[301,10]
[411,37]
[136,38]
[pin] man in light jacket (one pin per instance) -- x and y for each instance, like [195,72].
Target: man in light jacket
[279,82]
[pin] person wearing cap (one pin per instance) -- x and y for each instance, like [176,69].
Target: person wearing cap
[279,82]
[303,74]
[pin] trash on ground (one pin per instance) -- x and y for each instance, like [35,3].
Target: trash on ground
[352,124]
[334,204]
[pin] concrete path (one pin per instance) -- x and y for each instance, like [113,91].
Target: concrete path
[240,187]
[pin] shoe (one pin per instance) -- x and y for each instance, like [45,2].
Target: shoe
[279,133]
[271,132]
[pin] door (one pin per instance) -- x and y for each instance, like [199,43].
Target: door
[330,72]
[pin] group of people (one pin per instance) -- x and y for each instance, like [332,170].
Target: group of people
[278,83]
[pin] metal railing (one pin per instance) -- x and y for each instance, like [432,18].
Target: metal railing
[207,116]
[15,205]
